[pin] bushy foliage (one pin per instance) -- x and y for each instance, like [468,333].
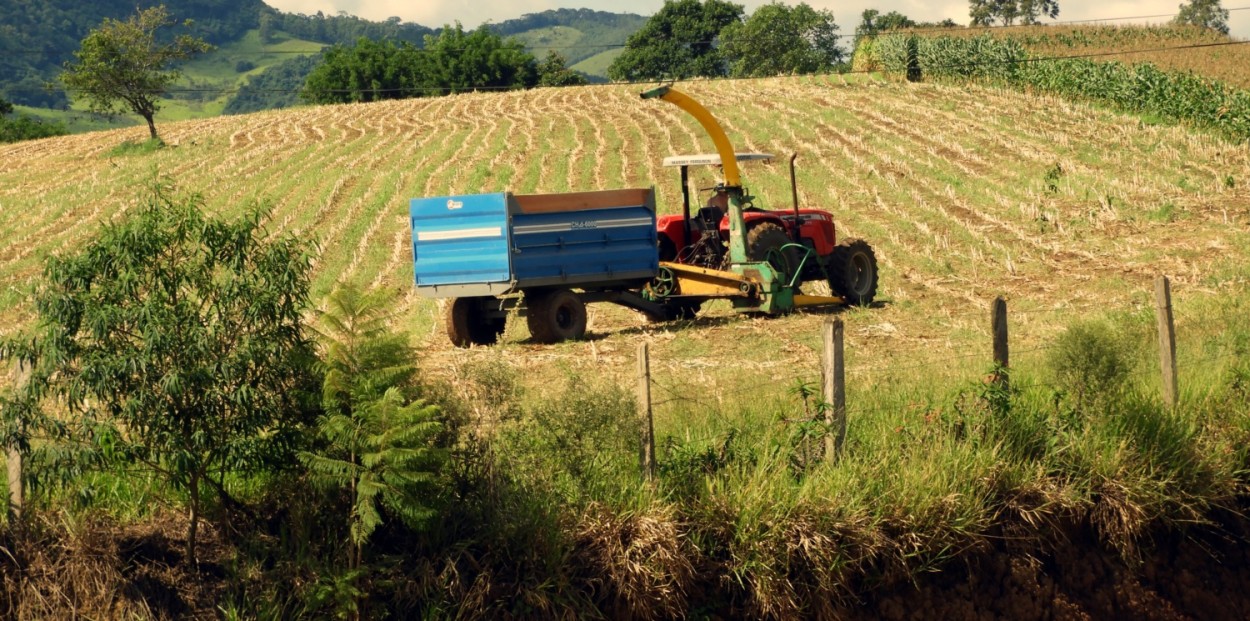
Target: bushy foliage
[377,437]
[21,127]
[127,66]
[578,441]
[778,39]
[1009,12]
[679,41]
[1092,361]
[176,341]
[1204,14]
[452,61]
[554,71]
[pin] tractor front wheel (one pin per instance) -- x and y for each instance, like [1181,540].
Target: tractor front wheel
[554,316]
[467,323]
[853,272]
[766,242]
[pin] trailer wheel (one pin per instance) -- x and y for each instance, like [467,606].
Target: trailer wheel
[853,272]
[766,242]
[468,325]
[555,316]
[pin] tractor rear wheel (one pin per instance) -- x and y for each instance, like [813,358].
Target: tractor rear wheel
[554,316]
[467,324]
[853,272]
[766,242]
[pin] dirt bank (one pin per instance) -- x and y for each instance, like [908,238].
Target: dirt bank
[106,570]
[1201,574]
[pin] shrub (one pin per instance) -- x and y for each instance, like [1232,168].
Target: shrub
[1092,361]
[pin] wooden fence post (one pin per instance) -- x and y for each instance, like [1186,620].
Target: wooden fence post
[1002,355]
[834,388]
[13,457]
[1167,339]
[644,411]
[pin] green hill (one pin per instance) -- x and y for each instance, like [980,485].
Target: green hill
[262,55]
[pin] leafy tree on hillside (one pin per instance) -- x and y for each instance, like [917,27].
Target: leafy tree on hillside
[176,341]
[873,21]
[779,39]
[125,66]
[679,41]
[452,61]
[554,71]
[1010,12]
[456,60]
[1204,13]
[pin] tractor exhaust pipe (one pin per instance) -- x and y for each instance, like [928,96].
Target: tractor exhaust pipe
[794,194]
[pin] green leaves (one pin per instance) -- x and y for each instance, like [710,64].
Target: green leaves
[125,66]
[778,40]
[1204,14]
[451,61]
[679,41]
[379,441]
[183,330]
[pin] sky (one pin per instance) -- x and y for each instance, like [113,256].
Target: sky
[472,13]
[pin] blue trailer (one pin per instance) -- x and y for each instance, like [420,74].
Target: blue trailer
[545,255]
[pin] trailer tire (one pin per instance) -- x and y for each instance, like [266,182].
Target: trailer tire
[766,241]
[468,325]
[555,316]
[853,272]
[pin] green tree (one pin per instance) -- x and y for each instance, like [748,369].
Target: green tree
[779,39]
[679,41]
[379,439]
[873,22]
[176,340]
[126,66]
[1205,14]
[459,61]
[1009,12]
[554,71]
[451,61]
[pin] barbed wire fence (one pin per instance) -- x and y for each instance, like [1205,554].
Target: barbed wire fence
[835,413]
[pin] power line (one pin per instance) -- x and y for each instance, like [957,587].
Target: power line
[608,46]
[488,88]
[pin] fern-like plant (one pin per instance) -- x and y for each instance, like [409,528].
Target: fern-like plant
[378,438]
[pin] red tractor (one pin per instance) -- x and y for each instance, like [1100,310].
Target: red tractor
[797,241]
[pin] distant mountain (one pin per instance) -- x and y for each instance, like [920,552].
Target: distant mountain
[263,55]
[577,33]
[37,38]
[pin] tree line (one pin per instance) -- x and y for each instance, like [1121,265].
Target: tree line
[127,65]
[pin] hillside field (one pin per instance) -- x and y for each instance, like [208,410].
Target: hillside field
[965,193]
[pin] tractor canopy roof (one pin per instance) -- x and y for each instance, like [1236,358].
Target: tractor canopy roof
[713,159]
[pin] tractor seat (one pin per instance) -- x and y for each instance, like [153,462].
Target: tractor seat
[711,215]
